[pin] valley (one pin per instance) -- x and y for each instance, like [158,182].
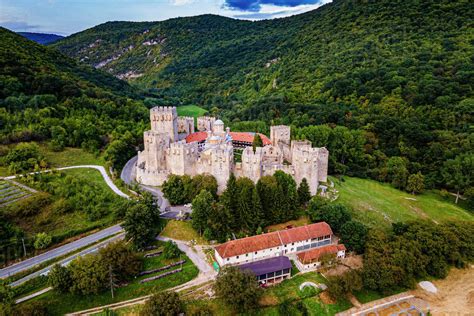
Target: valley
[312,164]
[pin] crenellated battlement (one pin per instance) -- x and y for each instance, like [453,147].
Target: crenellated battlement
[167,152]
[205,123]
[164,110]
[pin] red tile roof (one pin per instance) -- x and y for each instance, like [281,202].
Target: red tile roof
[236,136]
[315,253]
[247,137]
[249,244]
[196,137]
[305,232]
[270,240]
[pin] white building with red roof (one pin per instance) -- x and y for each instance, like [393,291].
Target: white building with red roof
[305,243]
[173,147]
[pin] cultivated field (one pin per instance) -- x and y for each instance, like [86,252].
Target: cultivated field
[376,203]
[10,192]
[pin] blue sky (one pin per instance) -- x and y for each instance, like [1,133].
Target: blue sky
[69,16]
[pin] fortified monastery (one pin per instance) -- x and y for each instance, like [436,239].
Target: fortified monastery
[173,147]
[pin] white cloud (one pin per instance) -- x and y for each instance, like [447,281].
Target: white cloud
[181,2]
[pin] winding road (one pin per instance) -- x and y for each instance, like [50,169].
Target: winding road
[73,246]
[101,169]
[127,176]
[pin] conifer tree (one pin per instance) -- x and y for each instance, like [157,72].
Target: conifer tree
[202,205]
[304,194]
[257,141]
[230,201]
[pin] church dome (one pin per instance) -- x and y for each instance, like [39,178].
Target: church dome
[218,122]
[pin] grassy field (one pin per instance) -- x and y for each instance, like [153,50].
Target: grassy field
[59,304]
[68,157]
[191,110]
[379,204]
[182,230]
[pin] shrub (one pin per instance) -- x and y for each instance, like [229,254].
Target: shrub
[59,278]
[89,275]
[163,304]
[171,250]
[32,309]
[42,241]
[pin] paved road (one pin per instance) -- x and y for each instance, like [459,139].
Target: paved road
[206,274]
[67,260]
[33,295]
[128,171]
[59,251]
[196,255]
[101,169]
[169,212]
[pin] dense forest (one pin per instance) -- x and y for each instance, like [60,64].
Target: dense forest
[395,77]
[45,95]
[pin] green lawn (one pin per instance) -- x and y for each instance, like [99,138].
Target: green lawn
[182,230]
[59,304]
[289,289]
[379,204]
[191,110]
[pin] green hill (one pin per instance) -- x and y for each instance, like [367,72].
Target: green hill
[345,50]
[47,95]
[400,73]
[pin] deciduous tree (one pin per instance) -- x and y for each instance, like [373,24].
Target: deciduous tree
[238,289]
[59,278]
[353,236]
[458,173]
[416,183]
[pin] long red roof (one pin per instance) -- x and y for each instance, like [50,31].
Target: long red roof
[236,136]
[270,240]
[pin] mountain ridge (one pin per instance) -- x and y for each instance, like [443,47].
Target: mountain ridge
[41,38]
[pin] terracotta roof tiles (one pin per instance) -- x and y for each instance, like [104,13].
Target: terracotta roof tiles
[315,253]
[270,240]
[236,136]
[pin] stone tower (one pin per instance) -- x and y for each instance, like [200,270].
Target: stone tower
[164,119]
[280,136]
[204,123]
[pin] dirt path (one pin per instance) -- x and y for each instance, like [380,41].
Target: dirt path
[455,294]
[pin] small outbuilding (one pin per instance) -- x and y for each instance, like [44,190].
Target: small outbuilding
[311,259]
[270,271]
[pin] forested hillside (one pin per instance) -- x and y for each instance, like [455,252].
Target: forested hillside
[396,76]
[47,95]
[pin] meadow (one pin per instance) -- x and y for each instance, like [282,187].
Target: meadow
[379,204]
[191,110]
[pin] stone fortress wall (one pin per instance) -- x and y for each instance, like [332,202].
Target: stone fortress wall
[166,152]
